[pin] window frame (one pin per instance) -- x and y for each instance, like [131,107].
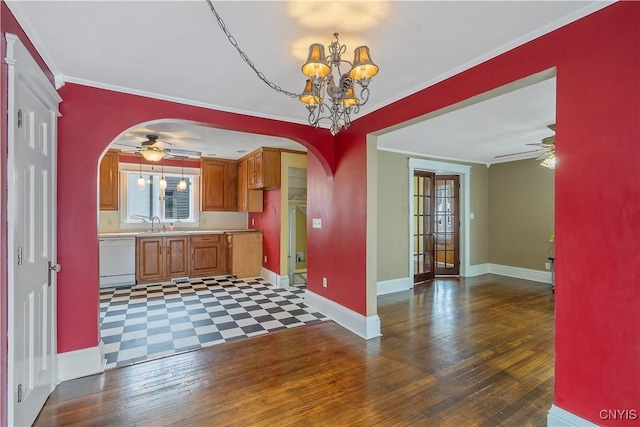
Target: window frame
[130,169]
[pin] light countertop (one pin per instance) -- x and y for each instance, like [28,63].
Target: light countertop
[148,233]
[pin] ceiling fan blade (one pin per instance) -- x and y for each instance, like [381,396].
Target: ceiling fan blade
[515,154]
[185,152]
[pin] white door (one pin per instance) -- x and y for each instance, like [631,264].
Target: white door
[31,263]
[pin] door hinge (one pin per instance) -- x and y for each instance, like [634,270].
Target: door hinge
[19,256]
[19,118]
[19,393]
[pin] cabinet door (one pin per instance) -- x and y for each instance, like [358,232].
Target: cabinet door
[243,187]
[219,185]
[177,257]
[212,185]
[207,258]
[150,259]
[109,181]
[258,163]
[251,171]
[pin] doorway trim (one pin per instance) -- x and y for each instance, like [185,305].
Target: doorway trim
[465,201]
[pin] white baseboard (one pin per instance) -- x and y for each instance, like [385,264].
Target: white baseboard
[476,270]
[365,326]
[394,285]
[557,417]
[275,279]
[520,273]
[80,363]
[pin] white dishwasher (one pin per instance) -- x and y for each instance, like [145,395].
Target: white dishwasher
[117,261]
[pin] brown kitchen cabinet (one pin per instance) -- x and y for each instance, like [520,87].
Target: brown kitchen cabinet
[219,184]
[244,254]
[160,259]
[263,168]
[248,200]
[207,255]
[109,181]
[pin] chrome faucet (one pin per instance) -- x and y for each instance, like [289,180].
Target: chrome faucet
[152,219]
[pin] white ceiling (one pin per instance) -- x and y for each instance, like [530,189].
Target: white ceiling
[175,50]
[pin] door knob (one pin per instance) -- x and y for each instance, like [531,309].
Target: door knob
[54,267]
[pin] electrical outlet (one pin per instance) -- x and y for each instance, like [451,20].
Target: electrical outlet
[324,282]
[253,221]
[547,266]
[265,259]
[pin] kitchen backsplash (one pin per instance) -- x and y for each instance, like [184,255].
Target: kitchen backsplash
[110,222]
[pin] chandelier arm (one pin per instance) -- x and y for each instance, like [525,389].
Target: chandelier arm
[244,56]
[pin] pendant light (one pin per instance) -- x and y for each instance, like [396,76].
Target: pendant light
[163,182]
[182,185]
[141,181]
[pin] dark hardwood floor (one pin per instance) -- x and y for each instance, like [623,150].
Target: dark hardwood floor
[454,352]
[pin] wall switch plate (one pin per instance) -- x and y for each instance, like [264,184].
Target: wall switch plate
[547,266]
[317,223]
[253,221]
[324,282]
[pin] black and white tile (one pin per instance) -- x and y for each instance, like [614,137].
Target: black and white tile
[150,321]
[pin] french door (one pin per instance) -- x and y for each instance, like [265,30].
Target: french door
[447,225]
[423,222]
[436,225]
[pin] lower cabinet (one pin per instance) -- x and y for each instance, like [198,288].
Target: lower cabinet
[207,256]
[160,259]
[244,254]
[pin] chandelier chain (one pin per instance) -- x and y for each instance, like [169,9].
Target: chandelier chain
[244,56]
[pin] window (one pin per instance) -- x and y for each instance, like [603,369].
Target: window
[170,205]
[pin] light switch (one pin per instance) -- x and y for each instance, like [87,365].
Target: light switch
[317,223]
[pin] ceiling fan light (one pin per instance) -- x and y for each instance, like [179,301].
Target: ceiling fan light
[316,65]
[152,155]
[363,66]
[549,162]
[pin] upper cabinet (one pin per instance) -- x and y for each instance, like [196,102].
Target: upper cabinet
[109,181]
[248,200]
[263,168]
[219,185]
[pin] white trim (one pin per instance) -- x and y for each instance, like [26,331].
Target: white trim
[394,285]
[418,154]
[183,101]
[274,278]
[366,327]
[28,70]
[520,273]
[477,270]
[80,363]
[465,204]
[558,417]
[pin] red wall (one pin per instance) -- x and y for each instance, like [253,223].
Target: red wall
[91,119]
[8,24]
[337,251]
[269,222]
[597,191]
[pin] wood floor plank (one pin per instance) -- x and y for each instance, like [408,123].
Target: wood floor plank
[454,352]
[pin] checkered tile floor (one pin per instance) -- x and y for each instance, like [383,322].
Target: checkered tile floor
[150,321]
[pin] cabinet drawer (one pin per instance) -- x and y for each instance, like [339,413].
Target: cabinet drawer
[211,238]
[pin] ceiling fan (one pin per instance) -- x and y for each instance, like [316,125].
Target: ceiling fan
[547,147]
[154,150]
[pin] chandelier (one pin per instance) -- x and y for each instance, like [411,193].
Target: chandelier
[341,98]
